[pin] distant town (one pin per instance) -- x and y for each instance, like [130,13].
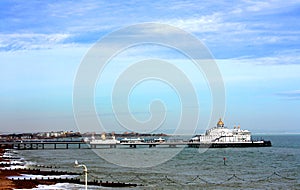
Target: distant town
[68,134]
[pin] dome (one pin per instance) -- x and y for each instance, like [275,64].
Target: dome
[220,123]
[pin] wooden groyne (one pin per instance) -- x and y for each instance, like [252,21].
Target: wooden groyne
[38,171]
[46,178]
[23,182]
[27,178]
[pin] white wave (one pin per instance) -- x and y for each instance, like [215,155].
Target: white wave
[67,186]
[12,162]
[28,176]
[61,186]
[29,163]
[14,167]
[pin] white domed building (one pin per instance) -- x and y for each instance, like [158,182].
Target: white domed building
[220,133]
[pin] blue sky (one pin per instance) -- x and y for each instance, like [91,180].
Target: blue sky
[254,43]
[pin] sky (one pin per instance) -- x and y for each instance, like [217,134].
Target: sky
[255,45]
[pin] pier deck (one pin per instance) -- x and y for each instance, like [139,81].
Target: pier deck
[35,145]
[31,145]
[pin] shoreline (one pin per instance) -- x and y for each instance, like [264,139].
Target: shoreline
[16,184]
[15,178]
[6,183]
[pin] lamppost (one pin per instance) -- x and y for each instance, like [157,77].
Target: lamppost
[85,171]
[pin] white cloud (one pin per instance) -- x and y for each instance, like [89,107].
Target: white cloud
[206,23]
[280,58]
[31,41]
[68,8]
[243,24]
[256,6]
[252,8]
[290,95]
[283,68]
[217,24]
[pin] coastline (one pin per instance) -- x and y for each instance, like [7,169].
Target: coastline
[12,177]
[6,183]
[15,184]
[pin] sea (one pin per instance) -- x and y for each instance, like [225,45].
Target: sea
[276,167]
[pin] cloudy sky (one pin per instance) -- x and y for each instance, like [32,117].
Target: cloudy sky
[254,43]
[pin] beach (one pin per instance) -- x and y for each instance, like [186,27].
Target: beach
[17,184]
[6,183]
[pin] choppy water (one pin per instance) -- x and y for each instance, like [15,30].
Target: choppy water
[276,167]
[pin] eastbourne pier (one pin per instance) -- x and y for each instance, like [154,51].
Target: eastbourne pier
[34,145]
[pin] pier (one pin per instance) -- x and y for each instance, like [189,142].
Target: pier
[155,144]
[35,145]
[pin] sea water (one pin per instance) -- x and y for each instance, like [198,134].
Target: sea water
[276,167]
